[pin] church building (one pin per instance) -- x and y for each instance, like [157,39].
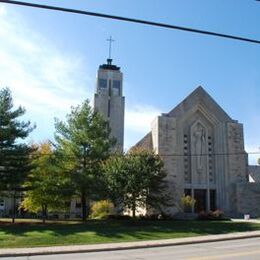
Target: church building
[204,156]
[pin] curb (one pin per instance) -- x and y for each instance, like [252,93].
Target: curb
[124,245]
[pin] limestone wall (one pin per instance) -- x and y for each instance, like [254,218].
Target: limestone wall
[101,104]
[164,138]
[248,198]
[236,153]
[116,120]
[237,163]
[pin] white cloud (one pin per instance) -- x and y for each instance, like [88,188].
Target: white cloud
[47,81]
[2,10]
[139,118]
[253,151]
[252,137]
[40,76]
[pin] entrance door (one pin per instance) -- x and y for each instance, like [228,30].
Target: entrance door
[201,200]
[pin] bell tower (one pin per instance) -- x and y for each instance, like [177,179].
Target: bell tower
[109,100]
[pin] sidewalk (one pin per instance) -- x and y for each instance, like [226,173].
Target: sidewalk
[252,220]
[124,245]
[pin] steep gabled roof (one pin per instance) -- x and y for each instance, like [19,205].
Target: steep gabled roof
[146,142]
[200,97]
[254,173]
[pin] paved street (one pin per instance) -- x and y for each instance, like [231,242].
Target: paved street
[234,249]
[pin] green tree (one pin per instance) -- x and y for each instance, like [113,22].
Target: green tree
[14,154]
[115,170]
[82,143]
[47,187]
[136,180]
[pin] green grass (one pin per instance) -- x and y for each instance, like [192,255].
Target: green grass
[34,234]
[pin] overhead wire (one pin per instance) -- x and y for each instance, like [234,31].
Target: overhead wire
[132,20]
[146,22]
[33,156]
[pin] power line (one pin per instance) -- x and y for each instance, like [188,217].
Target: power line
[132,20]
[33,156]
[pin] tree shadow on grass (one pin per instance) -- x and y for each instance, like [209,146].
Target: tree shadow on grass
[121,230]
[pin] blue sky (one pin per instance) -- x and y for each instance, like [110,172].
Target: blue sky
[49,59]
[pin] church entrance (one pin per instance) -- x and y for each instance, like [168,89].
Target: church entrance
[200,195]
[204,201]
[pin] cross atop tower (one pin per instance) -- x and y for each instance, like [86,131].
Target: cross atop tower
[109,60]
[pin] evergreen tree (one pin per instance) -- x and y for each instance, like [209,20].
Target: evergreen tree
[14,154]
[82,143]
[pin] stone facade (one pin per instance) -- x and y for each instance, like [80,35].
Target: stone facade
[203,153]
[248,199]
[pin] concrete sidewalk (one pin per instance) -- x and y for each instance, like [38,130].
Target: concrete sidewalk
[252,220]
[124,245]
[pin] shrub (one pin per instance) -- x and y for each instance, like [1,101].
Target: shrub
[187,203]
[119,217]
[212,215]
[162,216]
[218,214]
[203,215]
[101,209]
[152,217]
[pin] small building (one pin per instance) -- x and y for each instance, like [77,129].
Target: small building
[7,206]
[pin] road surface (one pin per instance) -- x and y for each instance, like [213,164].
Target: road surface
[233,249]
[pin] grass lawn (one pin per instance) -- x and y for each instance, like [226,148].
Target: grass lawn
[33,234]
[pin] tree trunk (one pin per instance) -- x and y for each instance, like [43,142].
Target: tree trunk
[83,193]
[14,207]
[133,208]
[44,213]
[83,205]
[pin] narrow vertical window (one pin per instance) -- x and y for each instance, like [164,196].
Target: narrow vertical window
[109,86]
[108,108]
[187,176]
